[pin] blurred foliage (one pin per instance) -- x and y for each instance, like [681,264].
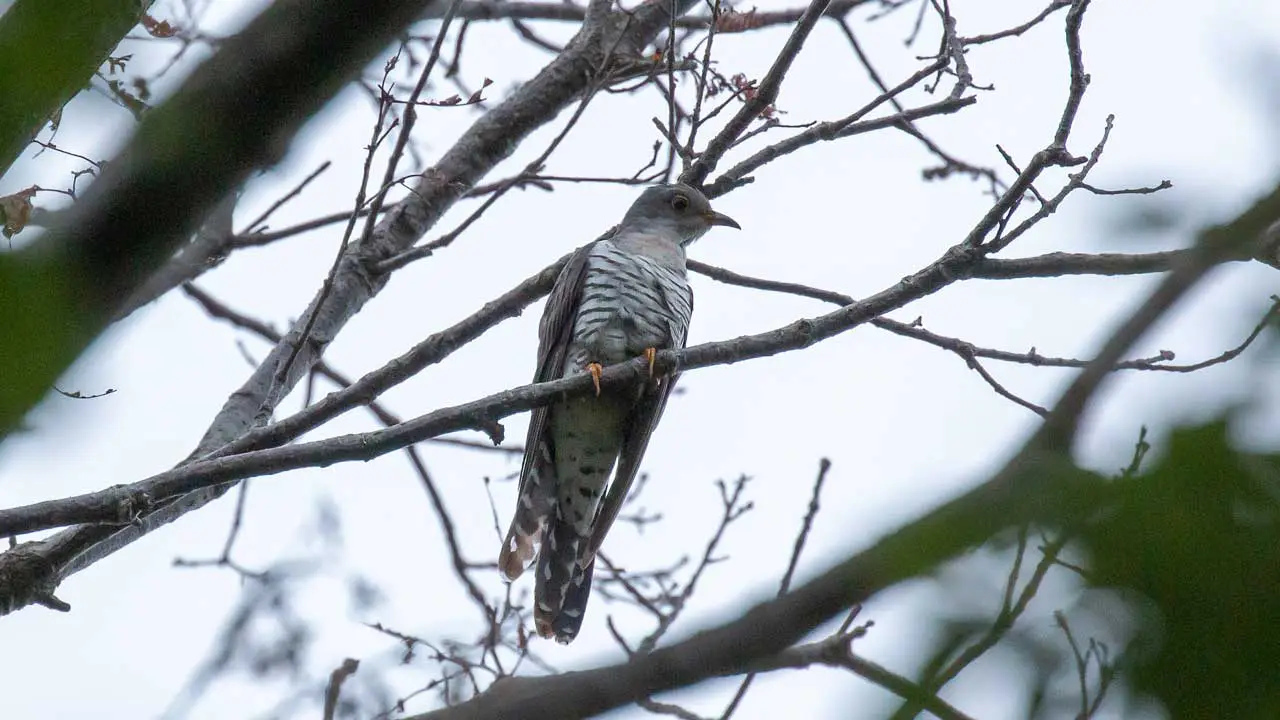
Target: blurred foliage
[49,52]
[1199,536]
[35,334]
[1182,562]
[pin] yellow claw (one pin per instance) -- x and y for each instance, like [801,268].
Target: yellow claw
[651,354]
[595,369]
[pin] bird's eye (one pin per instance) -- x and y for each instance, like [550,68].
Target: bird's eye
[680,203]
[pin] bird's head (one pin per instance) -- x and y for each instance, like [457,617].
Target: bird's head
[679,208]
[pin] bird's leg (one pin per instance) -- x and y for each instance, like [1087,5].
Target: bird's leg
[595,369]
[651,354]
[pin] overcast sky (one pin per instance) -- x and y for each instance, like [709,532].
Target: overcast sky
[1193,87]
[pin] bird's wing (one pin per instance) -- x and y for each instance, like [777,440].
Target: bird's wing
[537,492]
[635,440]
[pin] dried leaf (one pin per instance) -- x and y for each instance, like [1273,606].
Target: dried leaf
[744,85]
[117,64]
[475,96]
[16,210]
[132,103]
[158,28]
[732,21]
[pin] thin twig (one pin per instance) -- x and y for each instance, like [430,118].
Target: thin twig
[765,95]
[296,191]
[824,465]
[336,678]
[427,249]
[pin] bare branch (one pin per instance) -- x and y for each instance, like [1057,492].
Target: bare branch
[837,651]
[1018,29]
[765,95]
[1215,245]
[824,466]
[265,237]
[732,506]
[967,350]
[566,12]
[1001,390]
[845,127]
[336,678]
[1058,264]
[257,222]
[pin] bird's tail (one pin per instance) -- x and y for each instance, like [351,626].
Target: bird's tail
[535,505]
[563,582]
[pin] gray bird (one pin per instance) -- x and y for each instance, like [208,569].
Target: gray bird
[622,296]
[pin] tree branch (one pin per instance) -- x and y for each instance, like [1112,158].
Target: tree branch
[765,95]
[566,12]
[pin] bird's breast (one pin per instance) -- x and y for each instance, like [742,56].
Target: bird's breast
[629,303]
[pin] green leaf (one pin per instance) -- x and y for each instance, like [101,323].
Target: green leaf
[1199,536]
[49,52]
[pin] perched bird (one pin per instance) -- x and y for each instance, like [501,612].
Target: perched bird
[622,296]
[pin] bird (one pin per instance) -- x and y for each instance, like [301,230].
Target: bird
[622,296]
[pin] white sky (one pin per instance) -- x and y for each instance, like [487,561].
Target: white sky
[906,425]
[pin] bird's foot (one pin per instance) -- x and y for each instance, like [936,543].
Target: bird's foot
[595,369]
[651,354]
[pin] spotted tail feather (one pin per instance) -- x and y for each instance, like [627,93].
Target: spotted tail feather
[563,584]
[534,507]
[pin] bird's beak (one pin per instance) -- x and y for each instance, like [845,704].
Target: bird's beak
[715,218]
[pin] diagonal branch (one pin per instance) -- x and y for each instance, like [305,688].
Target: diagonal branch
[968,351]
[848,126]
[765,95]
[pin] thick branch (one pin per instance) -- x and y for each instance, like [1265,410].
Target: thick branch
[1058,264]
[566,12]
